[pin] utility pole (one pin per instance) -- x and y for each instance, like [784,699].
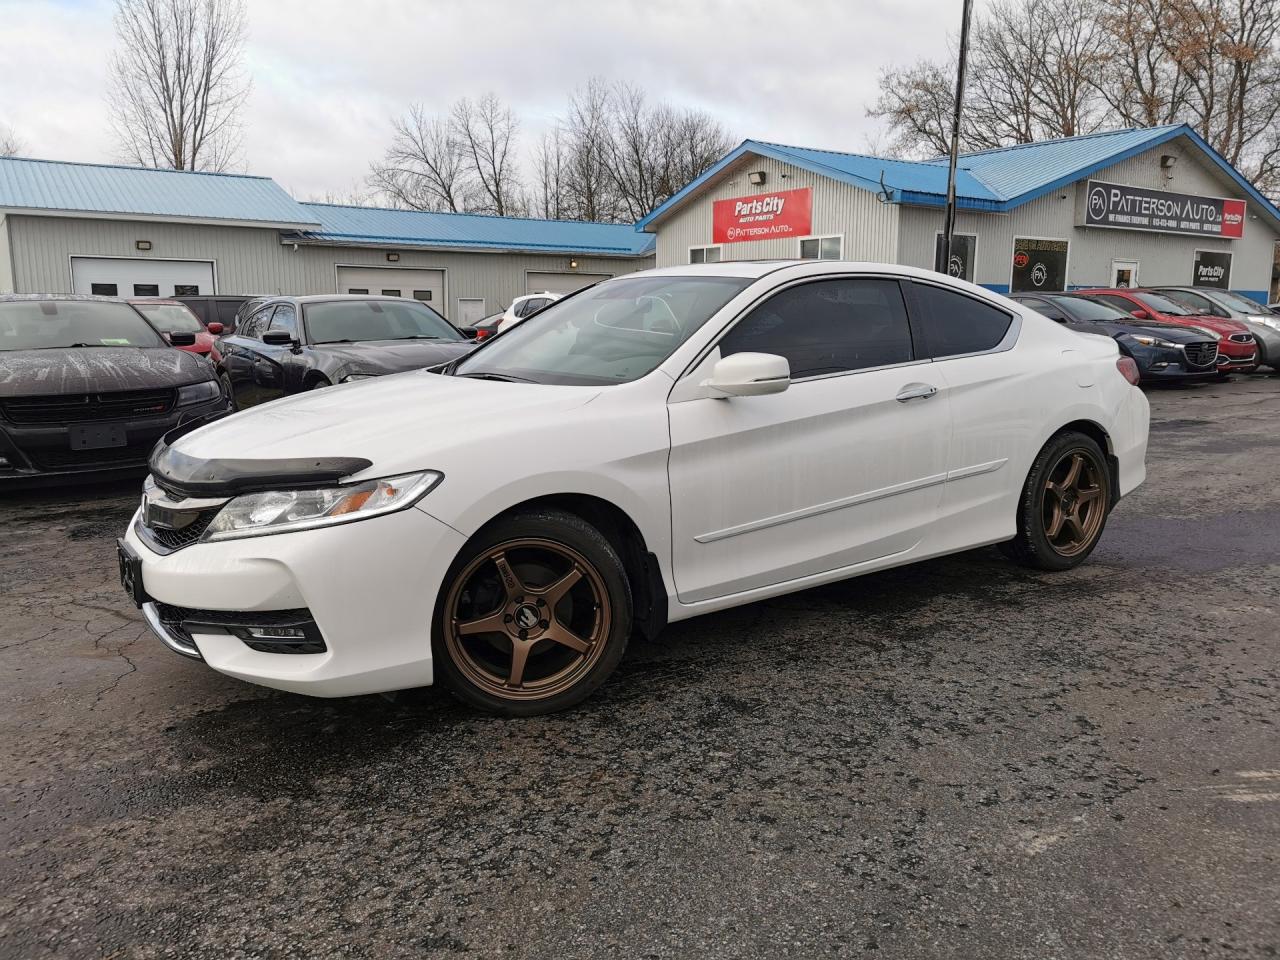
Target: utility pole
[949,227]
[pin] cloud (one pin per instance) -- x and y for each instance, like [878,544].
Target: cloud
[328,76]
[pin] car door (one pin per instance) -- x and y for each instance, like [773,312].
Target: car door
[271,361]
[239,353]
[996,407]
[842,468]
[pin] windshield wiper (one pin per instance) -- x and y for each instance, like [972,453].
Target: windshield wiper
[500,377]
[416,336]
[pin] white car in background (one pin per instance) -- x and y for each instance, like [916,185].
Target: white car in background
[662,445]
[526,306]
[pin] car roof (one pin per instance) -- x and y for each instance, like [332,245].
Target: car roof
[315,297]
[168,300]
[84,297]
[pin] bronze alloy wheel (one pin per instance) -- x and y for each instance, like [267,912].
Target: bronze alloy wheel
[527,619]
[1074,505]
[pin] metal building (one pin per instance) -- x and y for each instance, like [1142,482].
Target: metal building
[1148,206]
[130,231]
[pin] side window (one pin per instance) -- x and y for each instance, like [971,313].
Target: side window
[1043,307]
[948,324]
[227,312]
[1120,303]
[257,323]
[285,319]
[828,326]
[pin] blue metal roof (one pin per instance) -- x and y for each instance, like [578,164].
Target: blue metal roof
[140,191]
[996,180]
[414,228]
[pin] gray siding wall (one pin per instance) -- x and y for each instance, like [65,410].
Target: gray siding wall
[6,260]
[1162,258]
[252,260]
[869,227]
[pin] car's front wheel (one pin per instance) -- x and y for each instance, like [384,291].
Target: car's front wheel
[534,614]
[1064,504]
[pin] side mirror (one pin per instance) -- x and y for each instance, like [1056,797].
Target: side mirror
[1141,314]
[468,332]
[278,338]
[214,328]
[182,339]
[749,375]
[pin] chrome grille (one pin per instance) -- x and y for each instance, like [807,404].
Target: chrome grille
[1242,338]
[82,407]
[169,522]
[1201,354]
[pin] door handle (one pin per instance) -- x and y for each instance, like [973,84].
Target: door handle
[916,391]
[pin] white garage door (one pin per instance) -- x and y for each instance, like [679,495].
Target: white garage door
[424,285]
[111,277]
[561,282]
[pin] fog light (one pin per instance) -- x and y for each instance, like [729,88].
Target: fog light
[276,633]
[4,463]
[1159,366]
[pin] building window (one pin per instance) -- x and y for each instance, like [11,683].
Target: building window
[704,254]
[1039,264]
[186,290]
[391,293]
[103,289]
[821,248]
[358,290]
[964,248]
[422,294]
[146,289]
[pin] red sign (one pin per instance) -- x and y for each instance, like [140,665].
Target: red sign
[1233,218]
[765,216]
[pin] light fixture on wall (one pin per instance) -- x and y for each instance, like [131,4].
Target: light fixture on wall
[392,257]
[757,178]
[573,264]
[142,244]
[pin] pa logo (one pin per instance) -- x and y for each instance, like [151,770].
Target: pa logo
[1098,202]
[955,266]
[1039,274]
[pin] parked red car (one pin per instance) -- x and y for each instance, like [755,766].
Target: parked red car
[1237,351]
[172,316]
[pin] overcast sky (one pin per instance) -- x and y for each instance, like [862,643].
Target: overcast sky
[329,76]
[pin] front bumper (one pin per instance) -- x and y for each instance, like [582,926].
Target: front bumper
[1237,357]
[370,586]
[1167,364]
[41,453]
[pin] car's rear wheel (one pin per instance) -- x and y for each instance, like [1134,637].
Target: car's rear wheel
[534,614]
[1064,504]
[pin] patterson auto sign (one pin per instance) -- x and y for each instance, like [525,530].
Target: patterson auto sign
[766,216]
[1136,208]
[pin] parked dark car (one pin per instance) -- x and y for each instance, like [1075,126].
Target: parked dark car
[1262,323]
[291,344]
[216,308]
[1162,351]
[87,386]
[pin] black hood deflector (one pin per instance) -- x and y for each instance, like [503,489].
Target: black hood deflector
[193,477]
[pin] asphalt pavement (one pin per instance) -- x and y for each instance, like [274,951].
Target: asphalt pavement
[957,759]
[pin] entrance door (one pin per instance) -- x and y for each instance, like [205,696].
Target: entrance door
[141,277]
[845,466]
[1124,273]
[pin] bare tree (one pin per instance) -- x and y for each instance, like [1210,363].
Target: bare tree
[177,85]
[10,143]
[916,102]
[486,132]
[550,174]
[424,168]
[589,186]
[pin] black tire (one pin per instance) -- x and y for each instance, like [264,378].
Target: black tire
[1032,546]
[555,533]
[224,382]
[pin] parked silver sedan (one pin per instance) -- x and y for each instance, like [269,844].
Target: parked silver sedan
[1262,323]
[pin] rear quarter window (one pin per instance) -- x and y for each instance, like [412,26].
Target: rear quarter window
[949,324]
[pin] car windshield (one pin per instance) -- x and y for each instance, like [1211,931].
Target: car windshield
[1238,301]
[50,324]
[1085,309]
[1196,303]
[1162,304]
[171,317]
[341,321]
[613,332]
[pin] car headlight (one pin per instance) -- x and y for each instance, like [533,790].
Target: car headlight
[1147,341]
[199,393]
[357,376]
[281,511]
[1272,321]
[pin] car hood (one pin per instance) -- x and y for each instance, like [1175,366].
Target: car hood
[390,356]
[400,422]
[30,373]
[1216,324]
[1166,331]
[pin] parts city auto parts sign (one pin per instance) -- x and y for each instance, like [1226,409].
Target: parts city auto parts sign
[766,216]
[1136,208]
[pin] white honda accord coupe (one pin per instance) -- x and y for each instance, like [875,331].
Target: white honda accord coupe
[658,446]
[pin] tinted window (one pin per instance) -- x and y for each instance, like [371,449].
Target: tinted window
[285,319]
[1085,309]
[1042,307]
[44,324]
[950,323]
[829,326]
[1162,304]
[1196,303]
[257,323]
[103,289]
[332,320]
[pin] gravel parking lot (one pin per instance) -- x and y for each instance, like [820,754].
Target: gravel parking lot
[958,759]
